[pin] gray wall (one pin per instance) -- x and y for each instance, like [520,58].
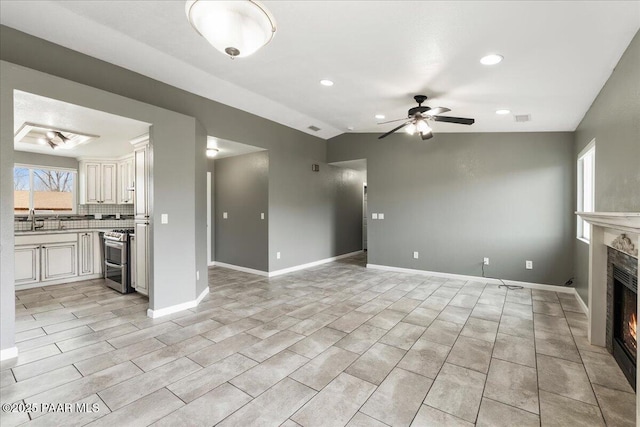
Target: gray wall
[174,190]
[27,158]
[242,190]
[460,197]
[614,121]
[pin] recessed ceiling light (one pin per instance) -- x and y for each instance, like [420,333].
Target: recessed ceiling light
[492,59]
[212,152]
[326,82]
[350,128]
[380,116]
[503,112]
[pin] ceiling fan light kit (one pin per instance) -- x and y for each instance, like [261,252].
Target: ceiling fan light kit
[235,28]
[418,117]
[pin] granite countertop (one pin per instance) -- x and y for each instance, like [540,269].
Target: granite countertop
[66,230]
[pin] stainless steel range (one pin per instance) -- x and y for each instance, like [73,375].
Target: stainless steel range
[117,260]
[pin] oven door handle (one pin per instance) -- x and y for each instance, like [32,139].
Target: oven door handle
[115,245]
[108,264]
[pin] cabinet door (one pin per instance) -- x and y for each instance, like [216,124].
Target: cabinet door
[141,166]
[141,254]
[125,182]
[92,183]
[109,183]
[132,261]
[59,260]
[85,254]
[27,264]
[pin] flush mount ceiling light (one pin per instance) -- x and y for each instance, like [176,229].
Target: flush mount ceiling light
[212,152]
[492,59]
[235,28]
[380,116]
[326,82]
[503,112]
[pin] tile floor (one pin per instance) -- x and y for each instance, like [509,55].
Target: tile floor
[334,345]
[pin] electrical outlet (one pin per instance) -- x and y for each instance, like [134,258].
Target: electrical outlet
[164,219]
[225,215]
[380,216]
[486,261]
[415,255]
[277,255]
[374,216]
[197,274]
[528,265]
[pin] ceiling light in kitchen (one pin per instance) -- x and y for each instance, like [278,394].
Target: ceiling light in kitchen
[235,28]
[380,116]
[326,82]
[212,152]
[503,112]
[491,59]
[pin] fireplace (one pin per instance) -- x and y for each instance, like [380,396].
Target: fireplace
[625,290]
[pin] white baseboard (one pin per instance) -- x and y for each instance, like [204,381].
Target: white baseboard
[311,264]
[584,306]
[178,307]
[9,353]
[239,268]
[543,287]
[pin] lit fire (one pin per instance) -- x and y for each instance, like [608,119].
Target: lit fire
[632,326]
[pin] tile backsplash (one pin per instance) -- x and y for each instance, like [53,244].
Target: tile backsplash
[84,218]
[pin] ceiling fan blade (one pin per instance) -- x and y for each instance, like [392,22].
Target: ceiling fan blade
[391,121]
[437,110]
[394,129]
[458,120]
[427,135]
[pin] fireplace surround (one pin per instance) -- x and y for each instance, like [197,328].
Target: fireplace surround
[606,231]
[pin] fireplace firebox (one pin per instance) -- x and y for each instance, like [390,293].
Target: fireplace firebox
[625,343]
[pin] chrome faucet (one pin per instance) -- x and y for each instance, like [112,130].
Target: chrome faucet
[34,227]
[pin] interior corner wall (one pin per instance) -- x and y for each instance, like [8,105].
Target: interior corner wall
[174,189]
[613,120]
[200,208]
[242,191]
[458,198]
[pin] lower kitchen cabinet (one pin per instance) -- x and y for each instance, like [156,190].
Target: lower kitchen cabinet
[59,260]
[46,259]
[141,251]
[27,264]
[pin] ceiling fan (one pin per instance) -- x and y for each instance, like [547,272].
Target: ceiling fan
[417,118]
[54,138]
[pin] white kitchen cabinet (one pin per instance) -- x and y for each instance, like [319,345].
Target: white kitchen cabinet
[86,258]
[141,254]
[142,211]
[132,260]
[126,179]
[59,260]
[98,182]
[27,264]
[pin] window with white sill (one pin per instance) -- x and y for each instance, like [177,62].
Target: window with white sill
[586,187]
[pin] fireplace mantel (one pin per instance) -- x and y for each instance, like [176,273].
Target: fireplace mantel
[623,221]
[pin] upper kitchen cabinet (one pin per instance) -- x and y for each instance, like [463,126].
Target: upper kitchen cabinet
[98,182]
[126,181]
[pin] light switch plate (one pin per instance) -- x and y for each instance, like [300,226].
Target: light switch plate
[380,216]
[164,218]
[374,216]
[224,215]
[528,265]
[277,255]
[261,215]
[416,255]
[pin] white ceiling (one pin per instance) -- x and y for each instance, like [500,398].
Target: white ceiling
[114,132]
[379,54]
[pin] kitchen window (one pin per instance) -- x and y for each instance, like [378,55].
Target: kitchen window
[45,189]
[586,187]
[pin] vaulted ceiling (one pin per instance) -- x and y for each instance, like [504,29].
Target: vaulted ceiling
[557,56]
